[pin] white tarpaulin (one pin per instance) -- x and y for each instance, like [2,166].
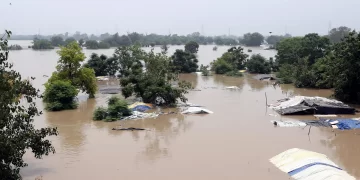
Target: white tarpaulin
[196,110]
[307,165]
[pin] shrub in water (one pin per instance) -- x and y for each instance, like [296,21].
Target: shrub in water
[100,114]
[59,95]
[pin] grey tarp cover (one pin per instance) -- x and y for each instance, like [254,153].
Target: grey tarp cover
[265,76]
[299,105]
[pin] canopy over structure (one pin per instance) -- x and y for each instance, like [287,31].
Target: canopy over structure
[300,105]
[308,165]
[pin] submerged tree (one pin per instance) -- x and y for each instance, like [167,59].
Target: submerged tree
[252,39]
[347,65]
[150,76]
[98,64]
[258,64]
[17,131]
[231,61]
[69,68]
[184,62]
[337,34]
[192,47]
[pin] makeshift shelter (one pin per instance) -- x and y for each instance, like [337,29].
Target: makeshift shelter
[196,110]
[301,105]
[264,77]
[140,106]
[306,165]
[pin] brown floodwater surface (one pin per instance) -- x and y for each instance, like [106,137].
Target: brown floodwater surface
[235,142]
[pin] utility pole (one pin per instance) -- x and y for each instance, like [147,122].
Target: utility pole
[229,32]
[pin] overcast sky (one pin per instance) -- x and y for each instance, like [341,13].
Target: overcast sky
[296,17]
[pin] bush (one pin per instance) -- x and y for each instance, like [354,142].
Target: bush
[220,66]
[258,64]
[60,95]
[204,70]
[184,61]
[285,74]
[100,113]
[117,108]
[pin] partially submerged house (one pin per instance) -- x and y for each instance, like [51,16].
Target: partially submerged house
[302,105]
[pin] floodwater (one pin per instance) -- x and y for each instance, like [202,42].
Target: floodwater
[235,142]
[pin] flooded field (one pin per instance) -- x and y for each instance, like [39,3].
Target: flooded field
[235,142]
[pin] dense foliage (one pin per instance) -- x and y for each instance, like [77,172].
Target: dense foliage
[337,34]
[184,61]
[204,70]
[346,65]
[92,44]
[258,64]
[57,41]
[15,47]
[312,61]
[252,39]
[117,108]
[192,47]
[274,39]
[231,61]
[102,65]
[39,44]
[17,132]
[149,76]
[60,95]
[69,69]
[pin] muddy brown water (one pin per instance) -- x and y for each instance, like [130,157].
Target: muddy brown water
[235,142]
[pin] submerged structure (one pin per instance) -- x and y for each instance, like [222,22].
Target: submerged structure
[302,105]
[306,165]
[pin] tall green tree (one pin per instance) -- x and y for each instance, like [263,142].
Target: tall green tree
[69,68]
[153,80]
[39,44]
[252,39]
[98,63]
[192,47]
[57,41]
[184,61]
[274,39]
[17,131]
[347,65]
[258,64]
[232,60]
[337,34]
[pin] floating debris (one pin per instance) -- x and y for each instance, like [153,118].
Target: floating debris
[102,78]
[232,88]
[280,123]
[306,165]
[128,129]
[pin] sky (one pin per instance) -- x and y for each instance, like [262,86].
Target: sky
[209,17]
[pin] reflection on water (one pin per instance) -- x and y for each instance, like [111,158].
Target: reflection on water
[233,143]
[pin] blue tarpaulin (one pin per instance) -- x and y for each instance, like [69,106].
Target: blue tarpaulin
[345,124]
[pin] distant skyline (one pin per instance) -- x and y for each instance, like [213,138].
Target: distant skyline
[213,17]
